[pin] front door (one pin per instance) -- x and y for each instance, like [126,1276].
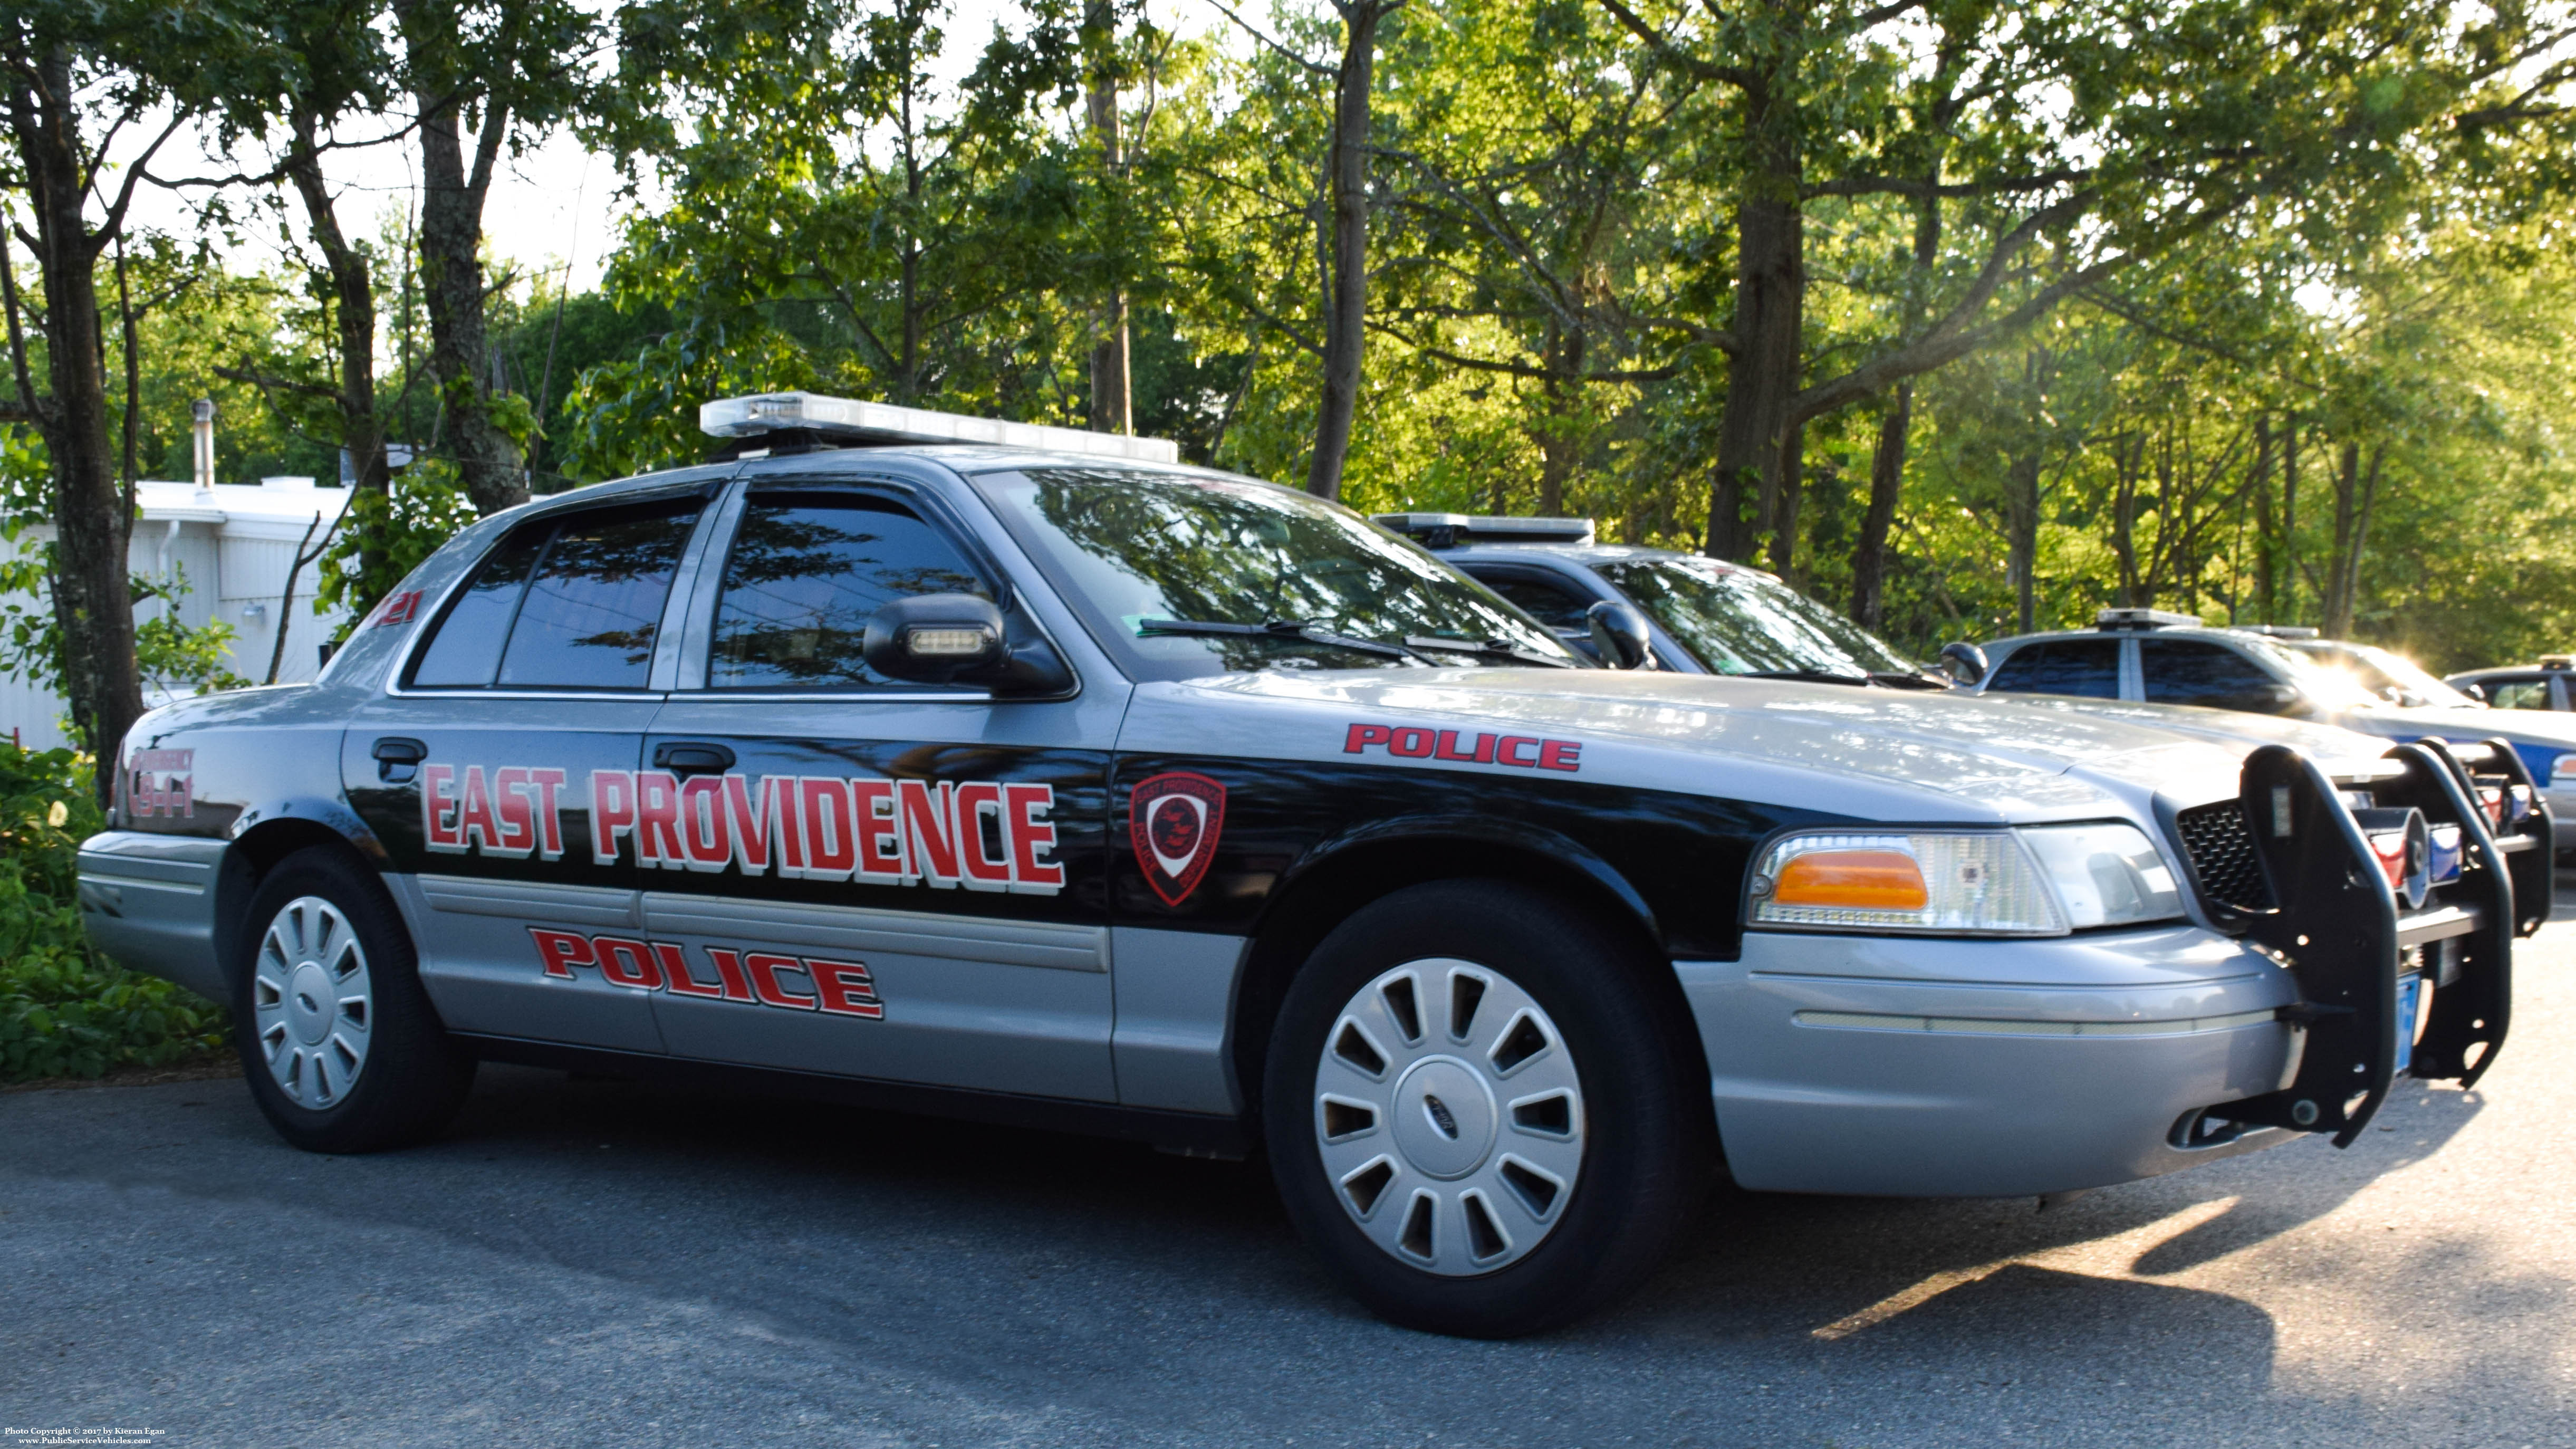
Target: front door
[855,875]
[481,770]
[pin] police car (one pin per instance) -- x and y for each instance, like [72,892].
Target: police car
[2160,657]
[2539,686]
[1026,775]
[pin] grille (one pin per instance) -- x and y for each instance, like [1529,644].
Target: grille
[2222,854]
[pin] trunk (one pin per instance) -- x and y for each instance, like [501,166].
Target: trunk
[2021,534]
[1783,523]
[1112,405]
[353,295]
[2354,494]
[2267,558]
[1770,323]
[1346,308]
[1557,444]
[1887,464]
[2289,554]
[1886,487]
[92,603]
[451,273]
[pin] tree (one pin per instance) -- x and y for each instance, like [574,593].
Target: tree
[75,78]
[503,71]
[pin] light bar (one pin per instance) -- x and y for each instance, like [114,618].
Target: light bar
[866,422]
[1448,530]
[2144,619]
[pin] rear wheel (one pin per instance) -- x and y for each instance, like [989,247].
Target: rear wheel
[1477,1115]
[342,1048]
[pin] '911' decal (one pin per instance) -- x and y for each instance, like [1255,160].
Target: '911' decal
[982,835]
[764,978]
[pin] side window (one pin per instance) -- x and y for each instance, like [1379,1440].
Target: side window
[2518,693]
[804,574]
[1551,604]
[571,602]
[2089,668]
[2192,671]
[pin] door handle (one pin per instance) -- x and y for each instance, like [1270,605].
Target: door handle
[398,755]
[691,757]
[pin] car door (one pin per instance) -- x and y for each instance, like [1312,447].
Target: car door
[850,874]
[2518,691]
[479,768]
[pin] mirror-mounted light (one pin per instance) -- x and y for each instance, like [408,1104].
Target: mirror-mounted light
[1619,633]
[958,639]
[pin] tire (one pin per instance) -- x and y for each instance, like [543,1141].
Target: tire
[339,1042]
[1563,1139]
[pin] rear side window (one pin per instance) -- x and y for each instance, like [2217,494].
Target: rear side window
[804,574]
[2190,671]
[2518,693]
[1551,604]
[2086,668]
[570,602]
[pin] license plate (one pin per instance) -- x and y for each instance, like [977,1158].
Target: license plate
[2411,991]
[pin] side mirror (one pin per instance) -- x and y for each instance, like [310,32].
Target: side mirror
[1964,662]
[2282,699]
[2475,690]
[1619,634]
[957,639]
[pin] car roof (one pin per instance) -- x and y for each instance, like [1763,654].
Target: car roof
[1581,553]
[2217,636]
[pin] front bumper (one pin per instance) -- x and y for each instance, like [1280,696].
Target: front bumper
[1932,1068]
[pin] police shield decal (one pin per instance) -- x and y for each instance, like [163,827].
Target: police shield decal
[1175,819]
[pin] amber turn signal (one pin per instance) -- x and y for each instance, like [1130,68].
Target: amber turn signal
[1882,880]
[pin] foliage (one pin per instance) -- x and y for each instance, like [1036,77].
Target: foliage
[423,508]
[66,1011]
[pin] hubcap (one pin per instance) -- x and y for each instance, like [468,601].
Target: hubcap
[1449,1117]
[312,1002]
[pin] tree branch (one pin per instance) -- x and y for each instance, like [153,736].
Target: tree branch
[1292,57]
[1680,59]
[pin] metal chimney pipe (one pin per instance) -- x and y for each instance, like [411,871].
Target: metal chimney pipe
[204,429]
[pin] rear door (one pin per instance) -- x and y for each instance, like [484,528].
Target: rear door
[481,769]
[2086,667]
[856,875]
[2201,672]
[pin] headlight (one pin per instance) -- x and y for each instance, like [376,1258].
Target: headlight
[2041,881]
[2105,875]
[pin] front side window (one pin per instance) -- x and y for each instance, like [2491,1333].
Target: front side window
[2084,668]
[572,601]
[1736,622]
[1271,568]
[2191,671]
[804,574]
[1550,603]
[2393,677]
[2518,693]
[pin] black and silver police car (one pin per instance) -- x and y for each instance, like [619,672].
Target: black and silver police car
[1025,774]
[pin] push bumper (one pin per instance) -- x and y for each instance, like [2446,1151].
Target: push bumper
[1926,1068]
[148,901]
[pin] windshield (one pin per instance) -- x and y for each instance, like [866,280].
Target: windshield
[1737,622]
[2324,687]
[1132,547]
[2394,678]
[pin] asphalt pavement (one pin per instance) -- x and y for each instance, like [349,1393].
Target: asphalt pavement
[585,1262]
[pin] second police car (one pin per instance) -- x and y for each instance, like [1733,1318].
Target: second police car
[1024,774]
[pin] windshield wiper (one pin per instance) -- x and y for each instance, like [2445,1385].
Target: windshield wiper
[1487,649]
[1917,680]
[1292,631]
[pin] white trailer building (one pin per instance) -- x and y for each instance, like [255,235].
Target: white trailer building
[234,543]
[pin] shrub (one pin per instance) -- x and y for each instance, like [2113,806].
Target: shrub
[66,1010]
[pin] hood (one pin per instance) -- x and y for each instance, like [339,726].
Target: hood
[2330,745]
[1886,754]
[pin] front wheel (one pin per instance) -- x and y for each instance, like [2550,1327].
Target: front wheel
[1478,1115]
[343,1051]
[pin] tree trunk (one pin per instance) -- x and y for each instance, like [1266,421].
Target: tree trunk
[353,294]
[1346,308]
[1112,403]
[2289,557]
[2021,533]
[451,272]
[2354,494]
[93,605]
[1557,443]
[2267,558]
[1886,488]
[1770,320]
[1782,525]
